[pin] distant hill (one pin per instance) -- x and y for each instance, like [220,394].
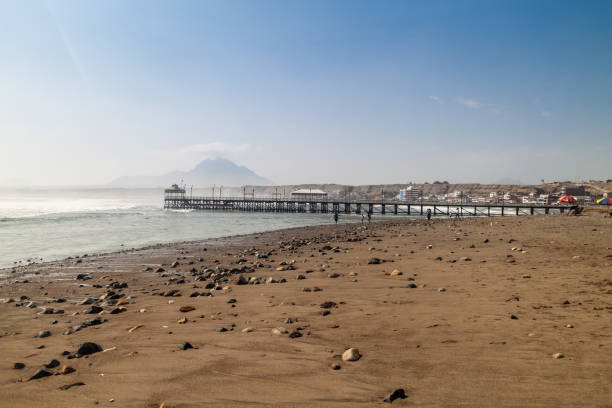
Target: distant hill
[206,173]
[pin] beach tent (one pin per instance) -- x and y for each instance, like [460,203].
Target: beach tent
[604,201]
[567,199]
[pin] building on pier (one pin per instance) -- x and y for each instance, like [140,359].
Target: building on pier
[174,192]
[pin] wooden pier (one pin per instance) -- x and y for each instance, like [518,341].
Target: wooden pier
[315,205]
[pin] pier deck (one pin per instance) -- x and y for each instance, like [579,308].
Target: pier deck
[387,207]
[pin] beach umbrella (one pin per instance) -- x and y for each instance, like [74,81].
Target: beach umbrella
[604,201]
[567,199]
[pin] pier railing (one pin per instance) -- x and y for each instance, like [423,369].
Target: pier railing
[355,206]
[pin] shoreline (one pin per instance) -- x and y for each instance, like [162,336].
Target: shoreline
[7,270]
[468,314]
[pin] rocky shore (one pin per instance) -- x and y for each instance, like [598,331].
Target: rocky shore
[483,312]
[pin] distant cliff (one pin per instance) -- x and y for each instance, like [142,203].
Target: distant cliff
[206,173]
[595,188]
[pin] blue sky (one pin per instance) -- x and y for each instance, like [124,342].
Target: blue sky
[307,91]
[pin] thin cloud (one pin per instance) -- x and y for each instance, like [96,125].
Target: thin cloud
[436,99]
[470,103]
[546,114]
[216,148]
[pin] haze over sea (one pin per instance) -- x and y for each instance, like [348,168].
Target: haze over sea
[55,223]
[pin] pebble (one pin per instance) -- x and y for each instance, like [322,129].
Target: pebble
[42,372]
[65,370]
[351,354]
[396,272]
[397,394]
[186,346]
[441,289]
[52,364]
[558,355]
[44,333]
[279,330]
[133,329]
[248,330]
[336,366]
[18,366]
[185,309]
[68,386]
[88,348]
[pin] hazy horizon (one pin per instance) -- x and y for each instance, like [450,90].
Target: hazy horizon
[312,92]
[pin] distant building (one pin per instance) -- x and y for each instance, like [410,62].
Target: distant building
[409,194]
[308,193]
[574,191]
[174,192]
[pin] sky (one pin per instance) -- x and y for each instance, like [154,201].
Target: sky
[354,92]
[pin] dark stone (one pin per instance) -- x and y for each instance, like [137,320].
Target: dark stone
[83,276]
[18,366]
[210,285]
[52,364]
[186,346]
[397,394]
[88,348]
[513,317]
[42,372]
[325,312]
[328,305]
[221,329]
[118,310]
[68,386]
[231,301]
[195,294]
[93,310]
[295,334]
[374,261]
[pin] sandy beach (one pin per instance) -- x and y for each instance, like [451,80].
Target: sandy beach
[486,312]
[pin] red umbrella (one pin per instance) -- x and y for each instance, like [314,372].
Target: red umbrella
[567,199]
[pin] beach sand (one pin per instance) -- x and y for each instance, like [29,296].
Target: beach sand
[461,323]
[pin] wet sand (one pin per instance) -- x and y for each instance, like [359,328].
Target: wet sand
[461,323]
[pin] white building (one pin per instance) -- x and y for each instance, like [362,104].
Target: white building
[409,193]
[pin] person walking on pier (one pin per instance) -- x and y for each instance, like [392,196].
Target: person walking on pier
[336,217]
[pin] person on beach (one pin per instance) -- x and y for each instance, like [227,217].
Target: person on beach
[369,217]
[362,219]
[336,217]
[428,214]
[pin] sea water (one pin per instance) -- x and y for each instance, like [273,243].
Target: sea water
[56,223]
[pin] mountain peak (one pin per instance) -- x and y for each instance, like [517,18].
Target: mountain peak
[208,172]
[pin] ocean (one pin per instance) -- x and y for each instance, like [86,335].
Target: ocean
[51,224]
